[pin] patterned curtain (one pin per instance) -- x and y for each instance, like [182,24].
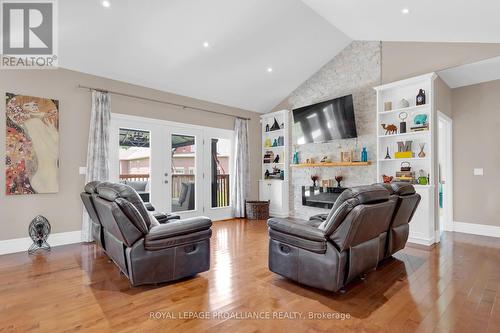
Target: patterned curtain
[98,149]
[240,176]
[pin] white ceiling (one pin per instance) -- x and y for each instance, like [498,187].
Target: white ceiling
[428,20]
[159,44]
[478,72]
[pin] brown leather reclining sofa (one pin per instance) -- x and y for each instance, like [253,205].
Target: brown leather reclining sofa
[366,225]
[145,251]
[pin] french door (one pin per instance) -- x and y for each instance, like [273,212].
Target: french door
[178,168]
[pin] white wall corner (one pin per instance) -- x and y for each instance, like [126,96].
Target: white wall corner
[476,229]
[22,244]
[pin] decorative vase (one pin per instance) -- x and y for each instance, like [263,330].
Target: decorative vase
[403,104]
[421,97]
[364,155]
[339,179]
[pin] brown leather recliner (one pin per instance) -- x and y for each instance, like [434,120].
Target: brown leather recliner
[330,254]
[407,203]
[144,250]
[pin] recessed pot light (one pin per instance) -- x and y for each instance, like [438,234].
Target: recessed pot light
[269,69]
[206,44]
[106,4]
[405,11]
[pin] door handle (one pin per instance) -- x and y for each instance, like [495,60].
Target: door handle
[166,174]
[166,181]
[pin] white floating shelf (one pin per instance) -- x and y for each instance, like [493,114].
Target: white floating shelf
[427,132]
[392,159]
[408,109]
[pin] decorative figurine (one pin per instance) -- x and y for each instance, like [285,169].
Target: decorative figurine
[364,155]
[275,126]
[389,129]
[275,143]
[267,143]
[325,159]
[422,153]
[420,119]
[421,97]
[267,128]
[403,104]
[402,125]
[266,175]
[387,179]
[387,155]
[277,159]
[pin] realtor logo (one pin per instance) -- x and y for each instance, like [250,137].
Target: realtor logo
[28,34]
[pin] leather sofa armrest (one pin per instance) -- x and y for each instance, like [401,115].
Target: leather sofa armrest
[179,227]
[318,217]
[149,207]
[297,228]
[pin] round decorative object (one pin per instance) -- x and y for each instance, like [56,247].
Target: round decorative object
[39,231]
[403,104]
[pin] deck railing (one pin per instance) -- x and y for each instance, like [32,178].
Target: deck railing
[222,199]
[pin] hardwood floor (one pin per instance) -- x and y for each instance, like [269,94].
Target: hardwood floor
[453,287]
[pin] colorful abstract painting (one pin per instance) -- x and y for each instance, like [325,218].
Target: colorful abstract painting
[32,152]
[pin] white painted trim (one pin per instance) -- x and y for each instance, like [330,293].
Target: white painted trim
[420,241]
[476,229]
[429,76]
[22,244]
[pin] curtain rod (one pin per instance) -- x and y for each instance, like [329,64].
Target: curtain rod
[160,101]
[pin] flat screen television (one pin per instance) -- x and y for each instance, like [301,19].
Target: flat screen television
[325,121]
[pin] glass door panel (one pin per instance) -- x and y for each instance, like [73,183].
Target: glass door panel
[135,160]
[184,172]
[220,150]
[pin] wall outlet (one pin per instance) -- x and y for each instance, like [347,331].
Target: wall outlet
[478,172]
[82,170]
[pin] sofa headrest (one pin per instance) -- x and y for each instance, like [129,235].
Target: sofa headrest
[91,187]
[349,199]
[387,186]
[112,191]
[364,194]
[402,188]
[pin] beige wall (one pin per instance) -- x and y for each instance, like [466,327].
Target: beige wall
[443,97]
[64,208]
[401,60]
[476,139]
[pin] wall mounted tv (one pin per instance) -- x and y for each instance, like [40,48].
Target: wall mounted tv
[325,121]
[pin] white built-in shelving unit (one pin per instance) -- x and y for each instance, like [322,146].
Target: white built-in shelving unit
[272,189]
[423,224]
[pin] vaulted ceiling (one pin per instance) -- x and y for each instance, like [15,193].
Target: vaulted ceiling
[248,53]
[160,44]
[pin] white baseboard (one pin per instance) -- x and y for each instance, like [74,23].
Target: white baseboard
[476,229]
[420,241]
[22,244]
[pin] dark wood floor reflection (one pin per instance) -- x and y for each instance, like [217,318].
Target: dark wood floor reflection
[451,287]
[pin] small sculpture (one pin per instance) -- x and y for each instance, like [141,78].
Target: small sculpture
[422,153]
[403,104]
[387,155]
[387,179]
[275,143]
[277,159]
[275,126]
[420,119]
[267,128]
[389,129]
[364,155]
[325,159]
